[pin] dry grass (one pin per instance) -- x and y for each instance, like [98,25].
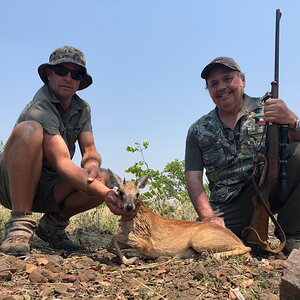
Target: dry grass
[97,219]
[100,219]
[4,216]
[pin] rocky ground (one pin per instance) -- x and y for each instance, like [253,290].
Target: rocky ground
[97,274]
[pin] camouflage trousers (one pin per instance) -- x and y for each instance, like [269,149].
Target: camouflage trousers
[237,213]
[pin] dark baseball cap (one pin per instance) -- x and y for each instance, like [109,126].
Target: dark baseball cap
[220,61]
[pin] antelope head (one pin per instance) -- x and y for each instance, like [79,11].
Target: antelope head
[128,191]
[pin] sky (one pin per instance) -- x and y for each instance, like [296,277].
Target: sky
[145,58]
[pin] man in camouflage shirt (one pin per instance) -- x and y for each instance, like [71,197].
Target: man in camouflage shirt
[224,143]
[36,168]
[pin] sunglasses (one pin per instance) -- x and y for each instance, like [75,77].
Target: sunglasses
[63,71]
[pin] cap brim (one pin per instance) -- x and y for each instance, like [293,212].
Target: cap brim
[205,72]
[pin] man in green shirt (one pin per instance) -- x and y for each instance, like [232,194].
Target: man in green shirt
[36,168]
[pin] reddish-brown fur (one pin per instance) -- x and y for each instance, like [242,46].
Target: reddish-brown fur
[153,235]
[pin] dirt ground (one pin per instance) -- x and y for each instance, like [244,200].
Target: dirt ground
[97,274]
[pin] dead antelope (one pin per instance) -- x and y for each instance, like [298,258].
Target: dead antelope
[153,235]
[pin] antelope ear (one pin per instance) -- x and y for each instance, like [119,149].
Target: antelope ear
[115,180]
[142,181]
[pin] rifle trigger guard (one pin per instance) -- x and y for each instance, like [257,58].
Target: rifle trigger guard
[260,168]
[267,96]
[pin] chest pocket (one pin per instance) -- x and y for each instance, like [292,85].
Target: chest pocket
[253,138]
[214,155]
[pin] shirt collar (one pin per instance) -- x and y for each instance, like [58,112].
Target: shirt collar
[45,92]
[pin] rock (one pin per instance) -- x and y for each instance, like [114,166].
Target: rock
[5,270]
[36,277]
[16,263]
[290,281]
[5,275]
[87,276]
[53,267]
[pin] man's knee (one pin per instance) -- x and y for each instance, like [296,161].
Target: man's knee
[26,137]
[26,133]
[31,129]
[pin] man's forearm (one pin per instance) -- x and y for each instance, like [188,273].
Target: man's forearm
[91,158]
[197,194]
[201,204]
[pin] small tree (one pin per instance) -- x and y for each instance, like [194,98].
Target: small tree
[164,188]
[141,167]
[167,191]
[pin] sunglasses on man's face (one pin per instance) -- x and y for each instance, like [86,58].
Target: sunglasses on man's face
[63,71]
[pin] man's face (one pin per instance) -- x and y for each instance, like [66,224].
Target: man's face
[226,88]
[64,87]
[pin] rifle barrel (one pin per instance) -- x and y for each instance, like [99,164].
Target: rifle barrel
[277,31]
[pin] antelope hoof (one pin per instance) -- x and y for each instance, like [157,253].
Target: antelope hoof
[129,261]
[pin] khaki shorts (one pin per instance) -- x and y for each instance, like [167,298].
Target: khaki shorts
[43,201]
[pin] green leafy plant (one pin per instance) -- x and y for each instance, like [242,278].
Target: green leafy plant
[166,192]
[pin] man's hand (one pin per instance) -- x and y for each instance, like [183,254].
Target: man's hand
[214,219]
[276,111]
[94,172]
[115,206]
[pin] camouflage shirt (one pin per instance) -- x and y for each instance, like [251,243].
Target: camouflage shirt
[226,154]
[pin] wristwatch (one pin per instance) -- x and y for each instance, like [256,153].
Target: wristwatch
[297,124]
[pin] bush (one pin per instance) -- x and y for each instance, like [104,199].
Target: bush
[166,192]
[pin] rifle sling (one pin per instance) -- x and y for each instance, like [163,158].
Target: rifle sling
[281,235]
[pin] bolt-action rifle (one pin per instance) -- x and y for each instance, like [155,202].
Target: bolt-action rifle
[269,168]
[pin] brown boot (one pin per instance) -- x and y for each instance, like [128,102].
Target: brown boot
[18,232]
[51,229]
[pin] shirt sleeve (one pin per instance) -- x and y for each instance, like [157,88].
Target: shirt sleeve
[193,155]
[44,113]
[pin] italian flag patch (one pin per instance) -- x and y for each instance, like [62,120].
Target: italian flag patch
[260,120]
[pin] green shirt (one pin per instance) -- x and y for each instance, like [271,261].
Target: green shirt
[46,109]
